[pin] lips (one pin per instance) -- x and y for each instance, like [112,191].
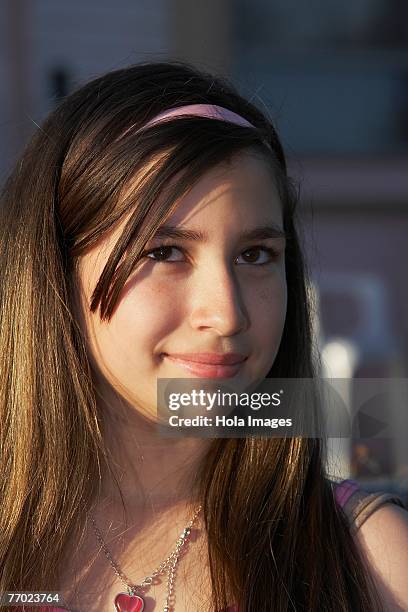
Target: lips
[209,358]
[208,365]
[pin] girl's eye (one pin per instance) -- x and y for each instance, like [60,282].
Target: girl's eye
[161,253]
[251,256]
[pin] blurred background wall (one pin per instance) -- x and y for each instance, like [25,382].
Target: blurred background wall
[334,78]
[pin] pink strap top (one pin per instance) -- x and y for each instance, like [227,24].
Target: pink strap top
[344,490]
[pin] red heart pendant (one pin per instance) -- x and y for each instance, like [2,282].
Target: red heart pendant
[128,603]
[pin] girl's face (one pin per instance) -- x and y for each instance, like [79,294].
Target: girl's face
[218,289]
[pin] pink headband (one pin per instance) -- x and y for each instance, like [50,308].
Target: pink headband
[211,111]
[200,110]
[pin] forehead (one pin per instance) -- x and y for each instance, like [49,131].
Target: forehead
[238,190]
[235,195]
[243,188]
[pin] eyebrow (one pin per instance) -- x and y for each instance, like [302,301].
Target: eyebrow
[261,232]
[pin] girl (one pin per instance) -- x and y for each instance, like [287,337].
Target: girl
[148,232]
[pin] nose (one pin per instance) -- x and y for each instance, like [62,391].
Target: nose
[217,302]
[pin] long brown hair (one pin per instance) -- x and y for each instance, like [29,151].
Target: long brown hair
[276,539]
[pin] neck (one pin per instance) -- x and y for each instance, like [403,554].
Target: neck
[146,471]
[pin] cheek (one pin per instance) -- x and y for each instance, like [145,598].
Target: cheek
[150,305]
[144,315]
[271,302]
[269,314]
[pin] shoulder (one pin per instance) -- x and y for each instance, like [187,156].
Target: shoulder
[383,538]
[379,522]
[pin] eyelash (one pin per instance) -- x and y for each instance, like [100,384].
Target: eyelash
[273,253]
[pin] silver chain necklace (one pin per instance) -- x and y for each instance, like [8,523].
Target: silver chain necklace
[132,601]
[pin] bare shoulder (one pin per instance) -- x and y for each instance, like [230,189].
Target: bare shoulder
[384,540]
